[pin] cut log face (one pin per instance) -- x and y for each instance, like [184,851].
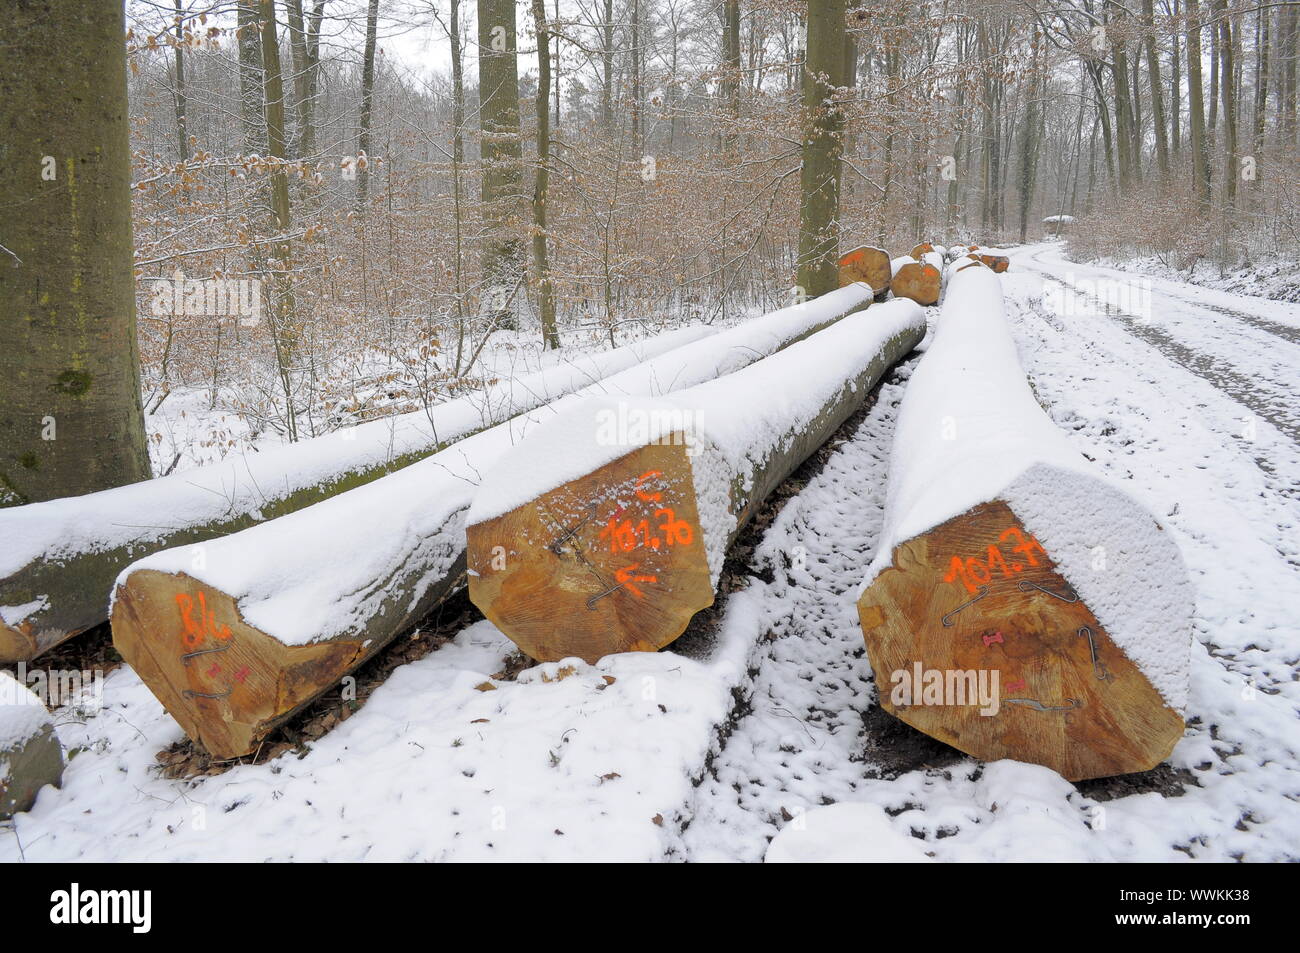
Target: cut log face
[278,613]
[999,263]
[611,562]
[621,558]
[866,264]
[227,683]
[919,281]
[57,583]
[924,248]
[978,595]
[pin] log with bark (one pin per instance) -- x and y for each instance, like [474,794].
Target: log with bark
[869,264]
[236,638]
[60,557]
[1020,606]
[999,263]
[606,532]
[30,754]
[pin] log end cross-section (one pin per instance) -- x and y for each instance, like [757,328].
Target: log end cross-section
[618,555]
[920,281]
[226,682]
[977,599]
[868,264]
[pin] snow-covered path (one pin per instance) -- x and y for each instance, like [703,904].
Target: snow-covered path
[706,750]
[1191,449]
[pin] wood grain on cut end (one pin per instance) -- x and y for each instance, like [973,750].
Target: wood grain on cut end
[919,281]
[867,264]
[924,248]
[1068,697]
[613,561]
[227,683]
[17,644]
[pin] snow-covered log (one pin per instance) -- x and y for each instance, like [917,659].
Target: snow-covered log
[607,530]
[30,754]
[921,281]
[922,248]
[1020,606]
[868,264]
[60,557]
[236,635]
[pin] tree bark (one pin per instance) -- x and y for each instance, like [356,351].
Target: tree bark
[823,121]
[1157,93]
[1196,94]
[182,136]
[367,102]
[502,158]
[541,185]
[71,420]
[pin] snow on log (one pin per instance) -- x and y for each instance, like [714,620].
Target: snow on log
[235,636]
[606,531]
[60,557]
[30,754]
[868,264]
[1019,606]
[923,248]
[920,281]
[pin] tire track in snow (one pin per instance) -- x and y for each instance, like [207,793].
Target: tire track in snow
[1268,399]
[800,741]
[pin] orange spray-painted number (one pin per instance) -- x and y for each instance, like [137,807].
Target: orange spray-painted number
[206,623]
[975,571]
[626,536]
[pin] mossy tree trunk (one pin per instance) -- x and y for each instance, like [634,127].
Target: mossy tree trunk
[823,149]
[70,412]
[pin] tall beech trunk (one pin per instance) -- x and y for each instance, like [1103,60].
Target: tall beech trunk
[1157,94]
[1228,75]
[182,135]
[1196,97]
[250,79]
[823,129]
[731,67]
[367,101]
[502,158]
[541,186]
[71,420]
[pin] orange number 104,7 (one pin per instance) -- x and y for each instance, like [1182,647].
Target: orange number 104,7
[974,571]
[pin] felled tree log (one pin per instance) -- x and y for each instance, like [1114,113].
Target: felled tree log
[1009,568]
[868,264]
[236,641]
[999,263]
[920,249]
[59,558]
[920,281]
[606,532]
[30,754]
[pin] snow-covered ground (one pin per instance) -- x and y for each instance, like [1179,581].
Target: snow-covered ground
[708,749]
